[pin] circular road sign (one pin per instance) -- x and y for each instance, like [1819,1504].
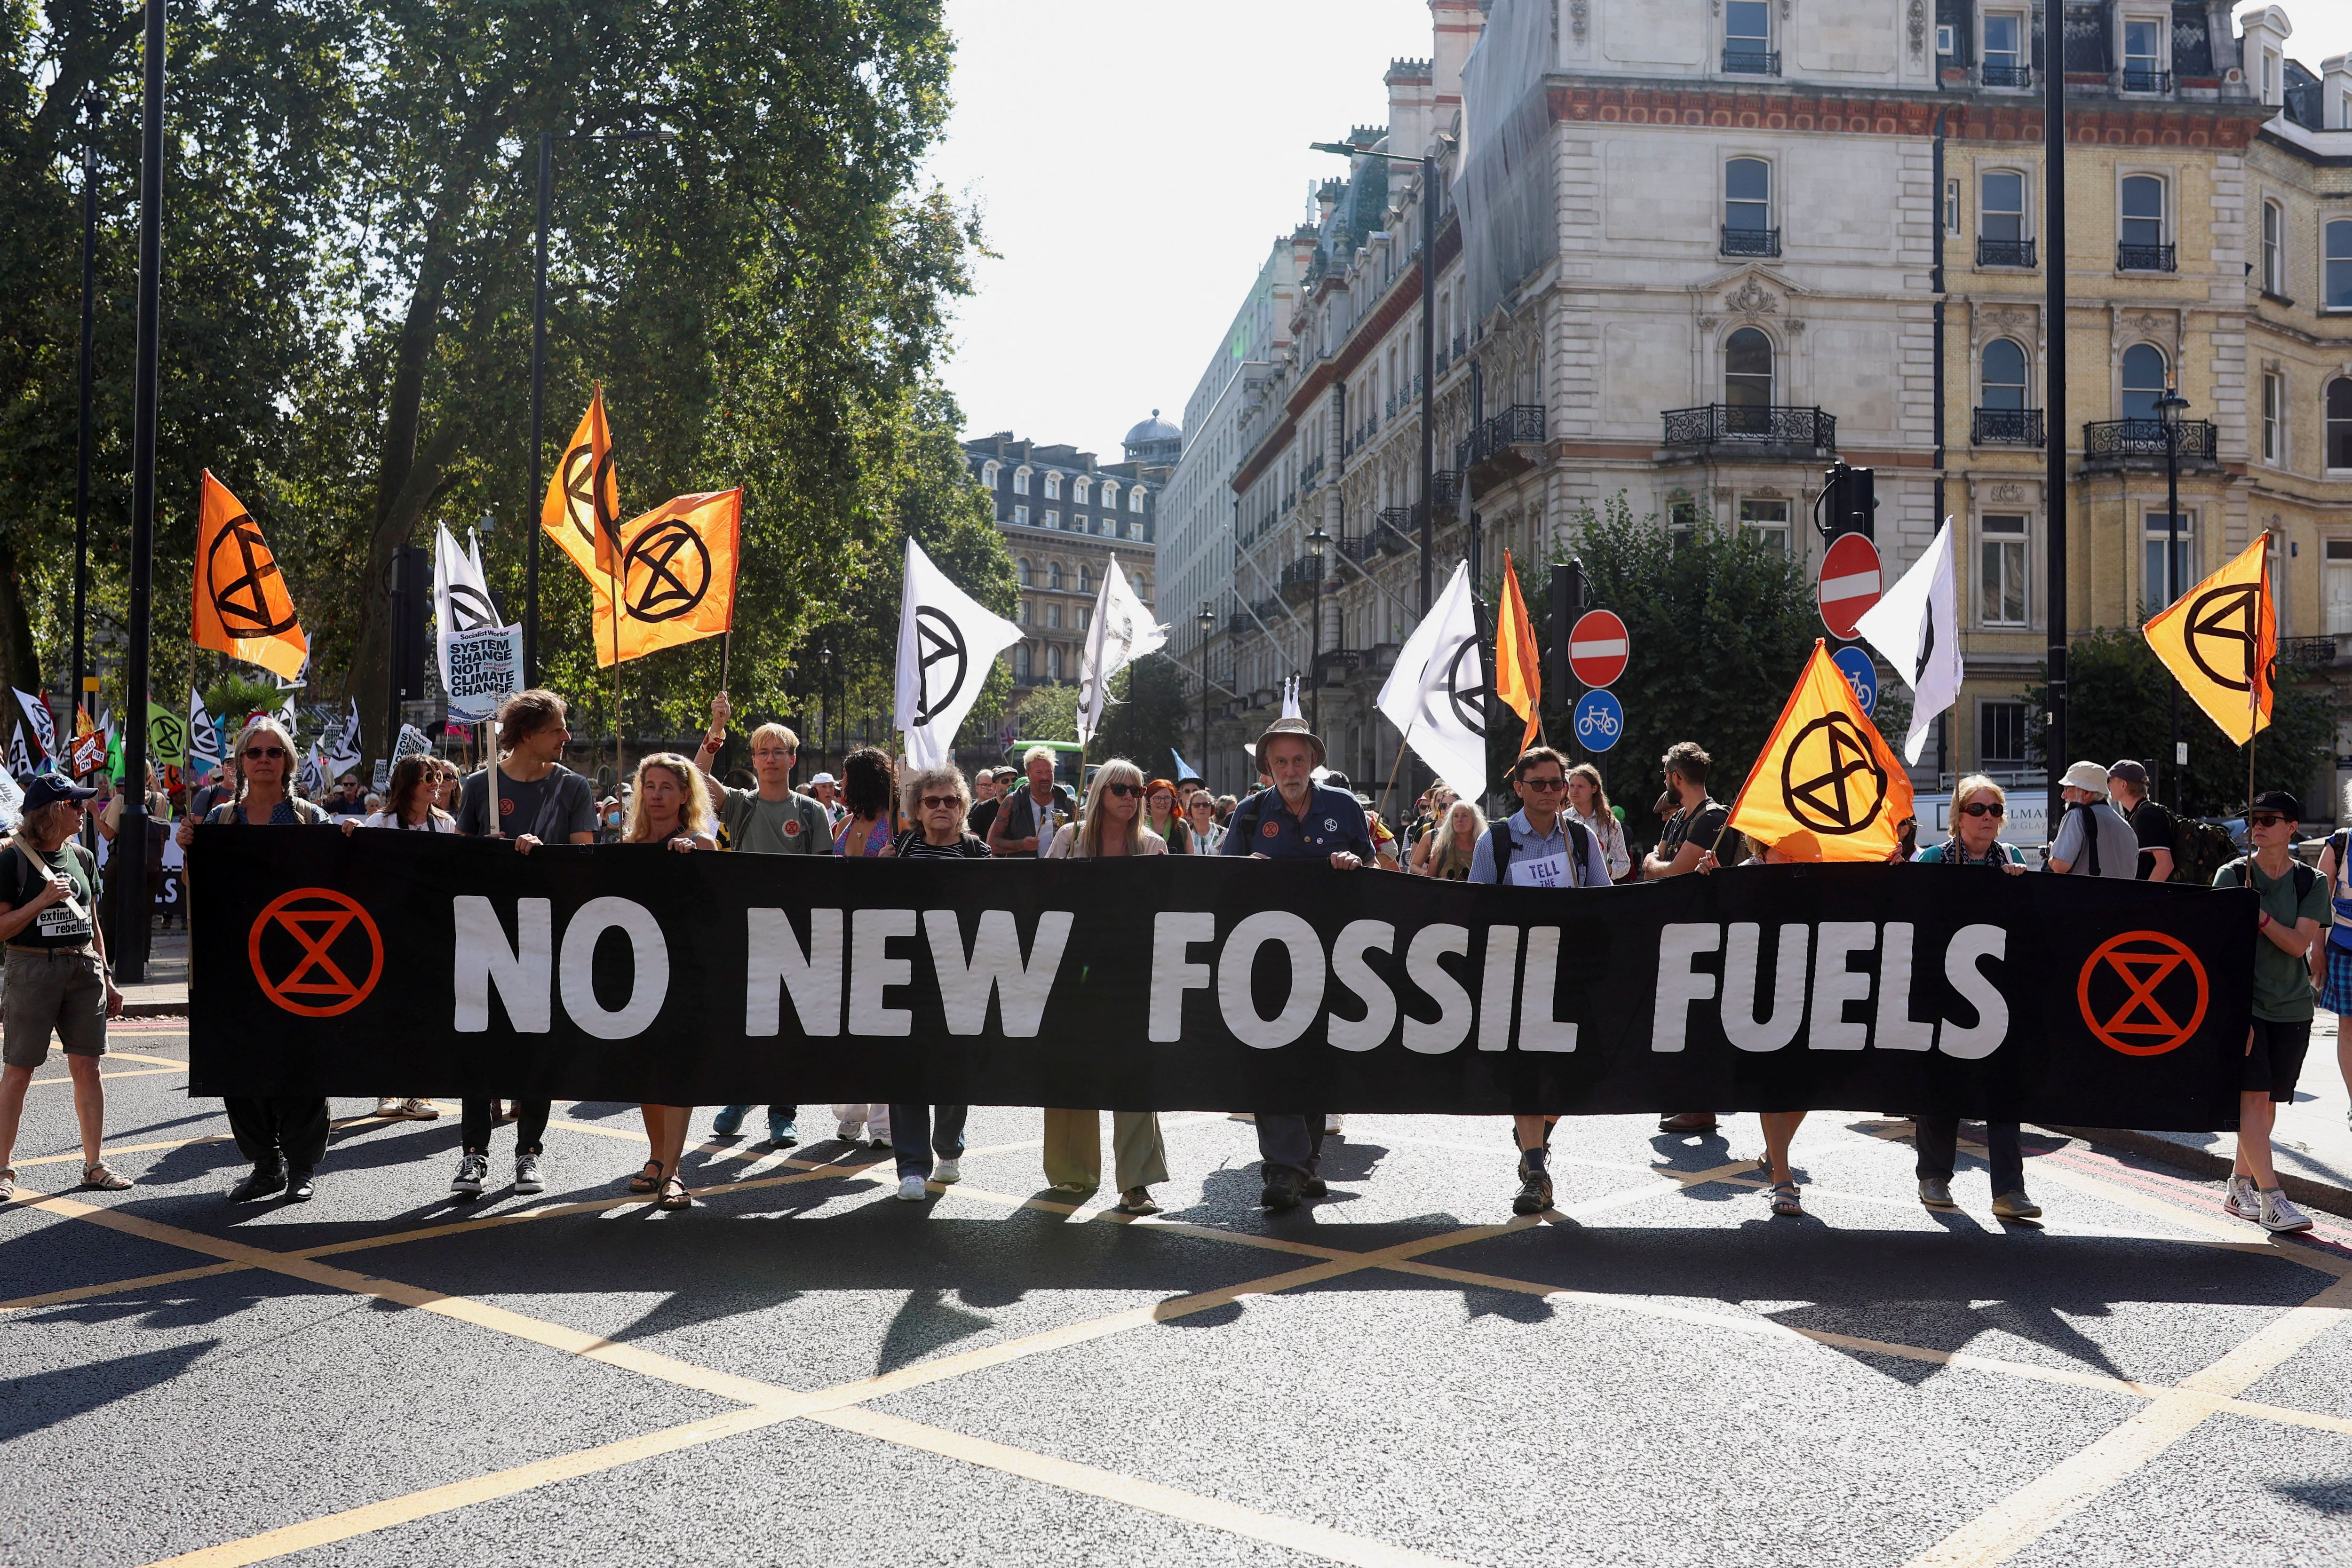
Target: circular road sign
[1850,584]
[1861,675]
[1600,720]
[1598,647]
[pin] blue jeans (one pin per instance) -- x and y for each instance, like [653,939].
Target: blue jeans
[914,1138]
[775,1112]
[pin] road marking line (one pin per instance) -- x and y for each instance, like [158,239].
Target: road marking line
[1298,1535]
[2033,1510]
[113,1287]
[141,1072]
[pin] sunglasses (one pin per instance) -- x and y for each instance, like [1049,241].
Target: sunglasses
[1543,786]
[933,803]
[772,752]
[2264,820]
[1122,790]
[1981,809]
[265,754]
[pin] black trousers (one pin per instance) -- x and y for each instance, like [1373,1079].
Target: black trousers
[1287,1138]
[278,1131]
[1937,1141]
[531,1125]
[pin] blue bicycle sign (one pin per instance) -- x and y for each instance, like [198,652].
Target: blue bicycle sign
[1600,720]
[1861,675]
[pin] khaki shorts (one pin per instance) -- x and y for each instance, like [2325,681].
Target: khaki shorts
[59,988]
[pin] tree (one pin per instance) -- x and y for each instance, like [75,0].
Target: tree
[1146,717]
[2118,705]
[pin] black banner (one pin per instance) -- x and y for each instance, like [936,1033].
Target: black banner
[327,964]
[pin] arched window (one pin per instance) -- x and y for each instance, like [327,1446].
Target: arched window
[2004,375]
[1021,570]
[1054,574]
[988,472]
[1747,382]
[2336,264]
[1021,481]
[1021,662]
[1020,613]
[2340,423]
[1054,662]
[2143,380]
[1078,488]
[1053,486]
[1143,585]
[1135,499]
[1086,577]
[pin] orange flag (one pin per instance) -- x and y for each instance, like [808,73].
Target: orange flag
[676,578]
[1826,772]
[2219,639]
[1518,671]
[582,509]
[242,608]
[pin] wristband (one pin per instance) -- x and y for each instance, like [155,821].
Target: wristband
[2264,923]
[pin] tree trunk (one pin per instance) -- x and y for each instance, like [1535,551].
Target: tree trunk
[20,662]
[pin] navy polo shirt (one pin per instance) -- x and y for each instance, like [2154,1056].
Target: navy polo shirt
[1334,823]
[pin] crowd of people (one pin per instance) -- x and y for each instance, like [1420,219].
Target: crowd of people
[1563,833]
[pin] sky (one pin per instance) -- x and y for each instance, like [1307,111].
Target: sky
[1133,163]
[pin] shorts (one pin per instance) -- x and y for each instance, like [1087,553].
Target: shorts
[59,988]
[2336,995]
[2276,1060]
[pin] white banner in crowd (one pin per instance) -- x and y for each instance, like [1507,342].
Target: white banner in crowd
[343,756]
[314,777]
[36,714]
[947,640]
[412,743]
[1123,633]
[1437,693]
[481,659]
[204,737]
[12,803]
[1916,628]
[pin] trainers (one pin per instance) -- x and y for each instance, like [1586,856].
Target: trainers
[2015,1206]
[948,1171]
[1332,1123]
[1283,1189]
[850,1132]
[728,1122]
[1935,1193]
[781,1133]
[1535,1192]
[388,1107]
[912,1189]
[2242,1200]
[417,1110]
[472,1171]
[2280,1214]
[527,1177]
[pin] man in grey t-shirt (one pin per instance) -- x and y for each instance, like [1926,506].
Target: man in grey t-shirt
[2094,840]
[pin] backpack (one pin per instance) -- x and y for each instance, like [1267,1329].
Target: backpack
[2305,879]
[1500,845]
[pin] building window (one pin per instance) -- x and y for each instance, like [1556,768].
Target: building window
[1135,500]
[1086,577]
[2274,249]
[1078,487]
[2141,242]
[1143,585]
[1053,486]
[2338,587]
[1021,481]
[2144,57]
[1747,38]
[2001,736]
[2001,221]
[1054,662]
[1021,570]
[1769,519]
[1054,615]
[1085,618]
[1747,208]
[2143,380]
[988,472]
[1109,494]
[1021,662]
[1054,575]
[2273,416]
[2004,50]
[1053,519]
[2157,591]
[2337,262]
[2340,423]
[2001,568]
[1681,513]
[1747,382]
[1078,523]
[1020,613]
[1135,530]
[1110,528]
[2004,375]
[1951,206]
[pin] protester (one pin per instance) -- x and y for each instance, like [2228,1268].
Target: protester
[411,807]
[2293,905]
[1166,819]
[1296,820]
[1539,845]
[937,799]
[215,788]
[826,791]
[867,823]
[1030,817]
[159,830]
[1434,807]
[58,980]
[2093,839]
[1699,826]
[668,807]
[1450,848]
[285,1137]
[2331,961]
[1588,803]
[1384,839]
[1201,816]
[1226,806]
[2151,824]
[986,802]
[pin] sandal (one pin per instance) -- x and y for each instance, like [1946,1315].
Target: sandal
[674,1196]
[1784,1198]
[104,1177]
[1137,1201]
[648,1179]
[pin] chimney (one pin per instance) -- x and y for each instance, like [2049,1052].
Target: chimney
[1455,25]
[1410,125]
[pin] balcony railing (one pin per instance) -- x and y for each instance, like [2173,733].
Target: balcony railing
[1299,578]
[1752,62]
[1361,550]
[1239,624]
[2008,76]
[2148,81]
[1445,487]
[2144,259]
[2303,653]
[1751,242]
[1718,423]
[1520,422]
[2118,440]
[2006,427]
[2004,252]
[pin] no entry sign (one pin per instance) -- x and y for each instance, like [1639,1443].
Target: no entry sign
[1597,647]
[1850,584]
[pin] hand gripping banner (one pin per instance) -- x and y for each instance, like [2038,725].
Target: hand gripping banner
[332,964]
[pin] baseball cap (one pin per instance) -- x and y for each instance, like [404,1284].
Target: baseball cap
[2130,772]
[2278,800]
[49,788]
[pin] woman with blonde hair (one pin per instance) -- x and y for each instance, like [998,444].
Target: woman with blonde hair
[668,807]
[1454,842]
[1588,802]
[1113,825]
[927,1141]
[1441,796]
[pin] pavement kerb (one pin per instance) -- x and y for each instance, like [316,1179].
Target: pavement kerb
[2319,1195]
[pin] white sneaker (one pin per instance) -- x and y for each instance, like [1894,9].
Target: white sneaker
[1332,1123]
[2240,1200]
[911,1189]
[387,1108]
[850,1132]
[2279,1213]
[947,1172]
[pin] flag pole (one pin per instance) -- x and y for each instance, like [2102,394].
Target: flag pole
[620,764]
[1388,790]
[2255,676]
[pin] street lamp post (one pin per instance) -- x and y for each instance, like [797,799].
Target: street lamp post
[1318,542]
[130,901]
[2053,317]
[92,105]
[1206,621]
[2169,409]
[1428,342]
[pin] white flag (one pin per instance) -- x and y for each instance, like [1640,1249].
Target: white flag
[345,756]
[946,643]
[36,714]
[204,737]
[12,804]
[314,777]
[461,597]
[1916,628]
[287,715]
[1437,693]
[1123,633]
[1290,697]
[20,762]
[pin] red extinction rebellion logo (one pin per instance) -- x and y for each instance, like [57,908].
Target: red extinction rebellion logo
[315,952]
[2142,993]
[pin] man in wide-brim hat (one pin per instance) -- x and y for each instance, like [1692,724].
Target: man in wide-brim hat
[1296,820]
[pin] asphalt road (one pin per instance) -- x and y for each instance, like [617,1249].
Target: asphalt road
[804,1370]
